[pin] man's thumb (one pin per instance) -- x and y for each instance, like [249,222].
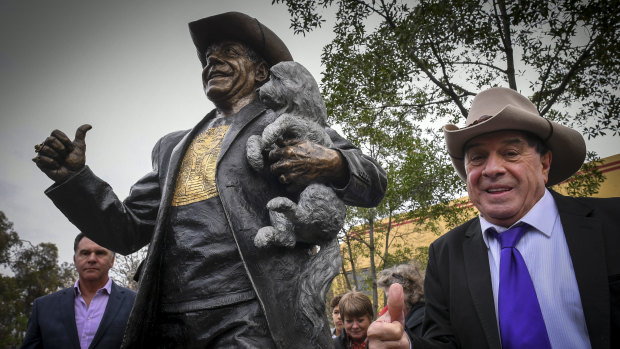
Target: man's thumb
[396,303]
[80,134]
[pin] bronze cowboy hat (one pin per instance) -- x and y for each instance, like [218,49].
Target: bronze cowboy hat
[503,109]
[240,27]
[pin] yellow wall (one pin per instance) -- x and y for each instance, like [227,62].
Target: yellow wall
[611,169]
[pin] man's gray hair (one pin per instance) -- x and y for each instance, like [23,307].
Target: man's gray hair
[409,276]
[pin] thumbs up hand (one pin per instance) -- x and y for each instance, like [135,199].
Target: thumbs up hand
[59,157]
[388,331]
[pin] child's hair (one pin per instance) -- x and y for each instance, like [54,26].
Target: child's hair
[335,301]
[355,304]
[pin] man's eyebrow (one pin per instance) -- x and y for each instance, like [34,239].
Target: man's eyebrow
[514,140]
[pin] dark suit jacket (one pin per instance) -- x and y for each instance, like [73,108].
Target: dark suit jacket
[124,227]
[460,311]
[52,322]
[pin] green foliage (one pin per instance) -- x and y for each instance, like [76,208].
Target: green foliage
[8,239]
[588,180]
[35,272]
[12,319]
[436,54]
[125,268]
[421,256]
[397,71]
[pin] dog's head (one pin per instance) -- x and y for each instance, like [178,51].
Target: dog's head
[292,89]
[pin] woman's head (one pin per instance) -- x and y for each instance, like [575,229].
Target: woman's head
[357,313]
[409,276]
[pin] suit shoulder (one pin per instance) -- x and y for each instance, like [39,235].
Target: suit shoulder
[126,290]
[589,206]
[602,203]
[457,233]
[52,297]
[175,136]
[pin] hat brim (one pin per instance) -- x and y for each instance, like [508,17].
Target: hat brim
[240,27]
[567,145]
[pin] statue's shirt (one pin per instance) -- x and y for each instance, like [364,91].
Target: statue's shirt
[196,179]
[201,266]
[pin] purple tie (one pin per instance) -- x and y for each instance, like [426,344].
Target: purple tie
[520,319]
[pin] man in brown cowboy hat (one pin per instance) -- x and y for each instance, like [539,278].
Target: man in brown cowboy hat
[204,283]
[536,269]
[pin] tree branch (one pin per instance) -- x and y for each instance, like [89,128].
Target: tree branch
[557,92]
[419,105]
[481,63]
[506,39]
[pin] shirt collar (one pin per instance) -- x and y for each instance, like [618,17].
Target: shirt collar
[107,287]
[541,217]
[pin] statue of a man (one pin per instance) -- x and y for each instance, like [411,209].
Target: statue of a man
[204,283]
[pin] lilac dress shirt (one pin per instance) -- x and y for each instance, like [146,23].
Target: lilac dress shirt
[88,318]
[546,255]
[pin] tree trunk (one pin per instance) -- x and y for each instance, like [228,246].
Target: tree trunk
[373,269]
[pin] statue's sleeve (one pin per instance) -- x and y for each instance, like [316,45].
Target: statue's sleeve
[93,207]
[367,179]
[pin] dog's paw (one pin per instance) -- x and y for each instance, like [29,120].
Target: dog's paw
[270,236]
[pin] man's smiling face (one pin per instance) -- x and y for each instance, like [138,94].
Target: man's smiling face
[229,74]
[505,175]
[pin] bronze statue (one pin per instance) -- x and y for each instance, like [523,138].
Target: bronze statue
[204,282]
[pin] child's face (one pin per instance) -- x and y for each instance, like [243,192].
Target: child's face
[337,319]
[357,327]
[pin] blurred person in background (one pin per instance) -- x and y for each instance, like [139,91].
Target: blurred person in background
[337,319]
[412,280]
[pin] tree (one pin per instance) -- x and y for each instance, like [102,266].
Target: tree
[35,272]
[441,52]
[397,71]
[126,267]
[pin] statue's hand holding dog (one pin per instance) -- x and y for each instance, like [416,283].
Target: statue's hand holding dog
[299,156]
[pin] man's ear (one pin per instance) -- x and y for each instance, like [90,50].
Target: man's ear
[262,73]
[545,161]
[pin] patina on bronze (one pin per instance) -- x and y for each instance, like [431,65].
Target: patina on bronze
[236,52]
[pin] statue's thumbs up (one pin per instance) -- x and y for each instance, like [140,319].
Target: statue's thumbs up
[59,157]
[80,136]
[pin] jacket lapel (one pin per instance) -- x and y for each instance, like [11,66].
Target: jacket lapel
[111,309]
[244,117]
[67,302]
[478,277]
[585,241]
[176,158]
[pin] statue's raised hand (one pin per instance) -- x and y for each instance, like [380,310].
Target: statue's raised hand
[59,157]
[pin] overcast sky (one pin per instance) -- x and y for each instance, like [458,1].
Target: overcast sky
[128,68]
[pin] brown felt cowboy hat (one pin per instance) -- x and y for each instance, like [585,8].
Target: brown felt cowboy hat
[238,26]
[503,109]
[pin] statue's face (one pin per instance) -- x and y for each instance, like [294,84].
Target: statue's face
[229,74]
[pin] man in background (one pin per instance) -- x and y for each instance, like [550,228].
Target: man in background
[91,314]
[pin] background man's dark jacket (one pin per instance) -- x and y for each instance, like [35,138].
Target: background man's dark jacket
[274,272]
[52,322]
[460,310]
